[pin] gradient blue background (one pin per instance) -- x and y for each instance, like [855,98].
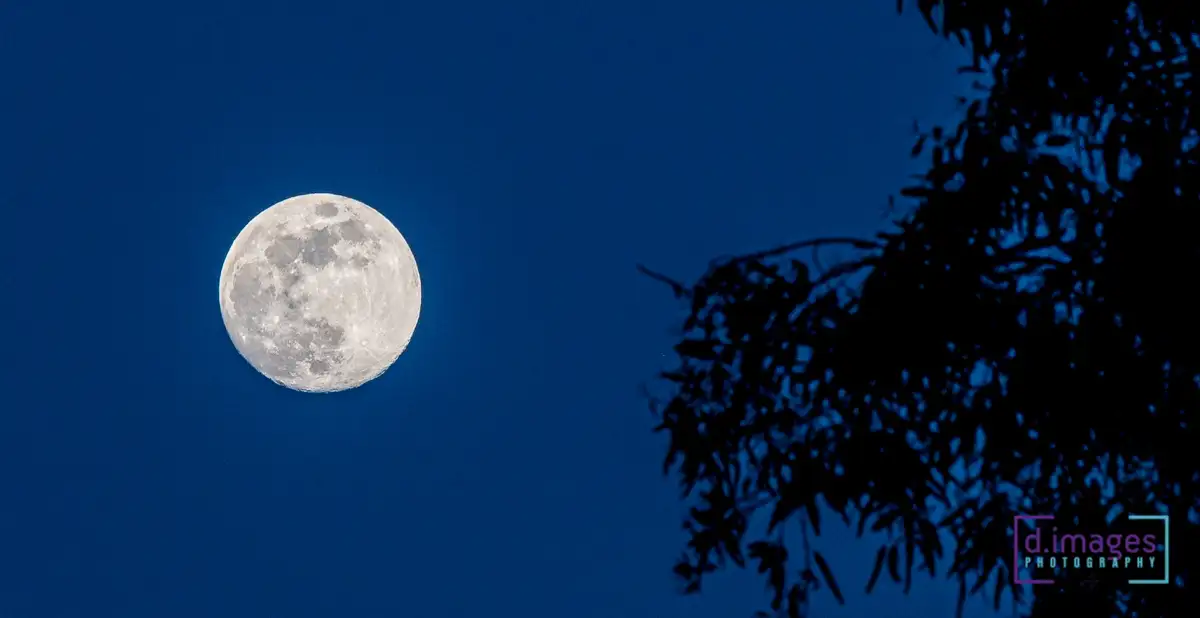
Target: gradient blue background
[532,153]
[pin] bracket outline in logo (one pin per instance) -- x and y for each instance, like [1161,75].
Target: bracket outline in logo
[1166,578]
[1017,519]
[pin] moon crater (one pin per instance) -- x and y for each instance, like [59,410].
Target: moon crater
[320,293]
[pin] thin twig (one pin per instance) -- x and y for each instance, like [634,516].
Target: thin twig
[857,243]
[680,290]
[842,270]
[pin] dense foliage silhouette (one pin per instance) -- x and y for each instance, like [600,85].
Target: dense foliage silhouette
[1021,339]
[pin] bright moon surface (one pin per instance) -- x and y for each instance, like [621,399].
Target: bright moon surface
[320,293]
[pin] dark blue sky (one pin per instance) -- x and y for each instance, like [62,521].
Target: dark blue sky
[532,153]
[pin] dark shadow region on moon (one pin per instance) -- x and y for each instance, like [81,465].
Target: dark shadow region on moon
[298,340]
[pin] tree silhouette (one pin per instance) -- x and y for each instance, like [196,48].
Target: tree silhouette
[1023,339]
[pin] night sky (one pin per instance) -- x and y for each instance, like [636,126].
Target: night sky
[532,153]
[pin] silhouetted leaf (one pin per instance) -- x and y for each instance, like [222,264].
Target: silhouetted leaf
[962,597]
[910,545]
[918,147]
[877,569]
[814,515]
[795,602]
[827,575]
[697,349]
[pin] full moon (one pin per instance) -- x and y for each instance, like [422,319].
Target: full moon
[320,293]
